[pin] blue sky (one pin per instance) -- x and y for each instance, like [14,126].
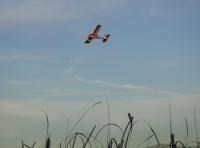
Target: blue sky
[152,55]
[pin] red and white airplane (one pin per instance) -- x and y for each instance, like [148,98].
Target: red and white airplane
[94,35]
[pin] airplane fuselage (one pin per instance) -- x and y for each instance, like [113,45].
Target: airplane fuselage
[95,36]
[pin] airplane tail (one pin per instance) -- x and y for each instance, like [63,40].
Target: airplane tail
[106,37]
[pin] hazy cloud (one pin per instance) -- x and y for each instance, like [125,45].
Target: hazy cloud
[127,87]
[52,10]
[78,60]
[58,10]
[165,7]
[67,93]
[21,56]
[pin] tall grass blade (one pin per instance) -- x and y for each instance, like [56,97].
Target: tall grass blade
[108,128]
[48,142]
[146,140]
[170,117]
[195,125]
[187,130]
[47,129]
[33,144]
[74,140]
[22,144]
[67,132]
[89,136]
[111,124]
[82,116]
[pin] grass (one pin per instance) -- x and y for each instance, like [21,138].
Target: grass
[92,140]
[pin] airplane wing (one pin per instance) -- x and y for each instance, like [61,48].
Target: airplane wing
[96,29]
[88,40]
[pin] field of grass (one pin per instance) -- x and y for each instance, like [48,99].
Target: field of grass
[124,140]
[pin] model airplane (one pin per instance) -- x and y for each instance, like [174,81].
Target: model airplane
[94,35]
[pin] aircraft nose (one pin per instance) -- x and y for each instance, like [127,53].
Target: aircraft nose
[85,35]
